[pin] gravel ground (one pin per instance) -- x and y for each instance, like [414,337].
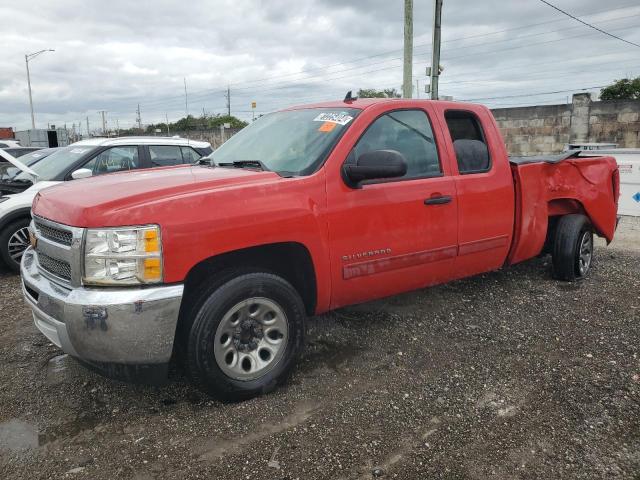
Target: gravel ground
[503,375]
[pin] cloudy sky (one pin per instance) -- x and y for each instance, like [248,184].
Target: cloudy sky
[113,55]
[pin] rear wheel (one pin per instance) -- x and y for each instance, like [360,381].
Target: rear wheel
[245,337]
[572,248]
[14,240]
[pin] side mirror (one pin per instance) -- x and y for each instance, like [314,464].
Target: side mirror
[375,164]
[81,173]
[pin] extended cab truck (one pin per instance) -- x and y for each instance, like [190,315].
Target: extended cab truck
[305,210]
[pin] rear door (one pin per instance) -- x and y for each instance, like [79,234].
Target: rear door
[484,187]
[394,235]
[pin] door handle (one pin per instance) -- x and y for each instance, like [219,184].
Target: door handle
[440,200]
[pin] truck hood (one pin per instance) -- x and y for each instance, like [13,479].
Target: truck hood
[105,200]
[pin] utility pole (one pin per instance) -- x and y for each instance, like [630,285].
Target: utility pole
[138,119]
[167,119]
[88,134]
[33,119]
[104,122]
[117,128]
[186,103]
[228,96]
[417,88]
[28,57]
[435,57]
[407,71]
[186,98]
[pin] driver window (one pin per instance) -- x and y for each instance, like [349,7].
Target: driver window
[407,132]
[114,159]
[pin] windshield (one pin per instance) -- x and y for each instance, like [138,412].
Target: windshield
[293,142]
[52,166]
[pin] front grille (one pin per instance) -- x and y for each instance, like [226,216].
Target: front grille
[57,235]
[55,267]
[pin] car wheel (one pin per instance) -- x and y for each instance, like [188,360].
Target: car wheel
[245,337]
[14,240]
[572,248]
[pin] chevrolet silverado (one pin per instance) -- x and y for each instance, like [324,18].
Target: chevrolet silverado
[306,210]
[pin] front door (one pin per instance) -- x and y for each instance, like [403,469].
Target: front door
[394,235]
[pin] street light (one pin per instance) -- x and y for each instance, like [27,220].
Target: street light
[27,57]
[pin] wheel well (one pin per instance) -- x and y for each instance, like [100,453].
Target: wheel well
[558,208]
[15,215]
[289,260]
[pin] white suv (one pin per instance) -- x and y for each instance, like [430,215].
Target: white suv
[95,156]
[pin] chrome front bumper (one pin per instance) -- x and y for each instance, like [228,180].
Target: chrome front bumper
[123,326]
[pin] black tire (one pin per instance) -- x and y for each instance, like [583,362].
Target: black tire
[8,232]
[569,259]
[200,361]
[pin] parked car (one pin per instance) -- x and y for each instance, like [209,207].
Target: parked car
[80,160]
[9,171]
[305,210]
[15,152]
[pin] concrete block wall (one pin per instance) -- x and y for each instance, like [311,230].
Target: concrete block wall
[546,129]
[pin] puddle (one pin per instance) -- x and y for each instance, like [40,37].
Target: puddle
[17,435]
[56,369]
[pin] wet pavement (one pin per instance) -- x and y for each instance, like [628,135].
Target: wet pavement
[503,375]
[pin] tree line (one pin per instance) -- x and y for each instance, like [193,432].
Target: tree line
[204,122]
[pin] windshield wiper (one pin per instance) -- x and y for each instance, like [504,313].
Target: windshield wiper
[244,164]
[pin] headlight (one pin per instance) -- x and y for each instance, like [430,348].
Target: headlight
[123,256]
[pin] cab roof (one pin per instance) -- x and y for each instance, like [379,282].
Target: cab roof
[109,142]
[363,103]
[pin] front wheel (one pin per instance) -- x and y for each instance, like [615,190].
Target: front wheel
[14,240]
[245,337]
[572,248]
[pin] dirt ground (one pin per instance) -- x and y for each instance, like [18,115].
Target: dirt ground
[504,375]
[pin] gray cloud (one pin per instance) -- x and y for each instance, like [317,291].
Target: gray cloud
[114,55]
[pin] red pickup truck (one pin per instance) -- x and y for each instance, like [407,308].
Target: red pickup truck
[306,210]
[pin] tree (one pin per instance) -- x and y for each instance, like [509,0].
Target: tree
[204,122]
[625,89]
[373,93]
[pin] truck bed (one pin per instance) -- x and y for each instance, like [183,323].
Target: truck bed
[545,158]
[546,187]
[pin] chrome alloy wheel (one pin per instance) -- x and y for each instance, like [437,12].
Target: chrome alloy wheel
[18,243]
[585,253]
[251,338]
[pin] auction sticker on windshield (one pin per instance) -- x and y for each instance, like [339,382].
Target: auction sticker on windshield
[341,118]
[327,126]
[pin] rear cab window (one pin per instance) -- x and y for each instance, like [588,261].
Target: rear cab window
[469,142]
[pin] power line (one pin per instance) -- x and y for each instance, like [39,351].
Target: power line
[210,92]
[589,25]
[533,94]
[331,76]
[291,84]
